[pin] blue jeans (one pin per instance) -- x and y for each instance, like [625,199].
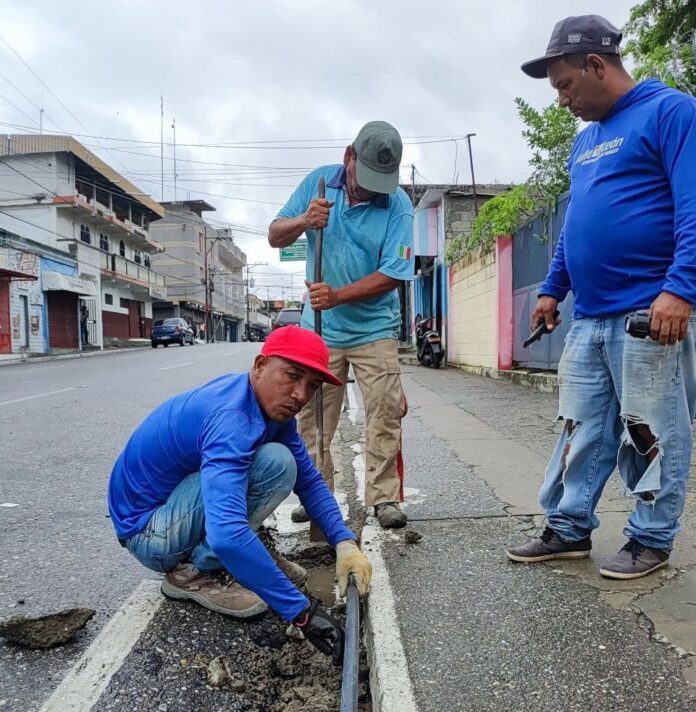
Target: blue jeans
[609,382]
[176,531]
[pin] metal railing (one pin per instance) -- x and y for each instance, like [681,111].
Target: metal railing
[128,268]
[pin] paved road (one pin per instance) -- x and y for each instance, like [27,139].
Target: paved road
[62,424]
[482,633]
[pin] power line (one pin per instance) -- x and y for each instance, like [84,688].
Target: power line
[48,89]
[272,144]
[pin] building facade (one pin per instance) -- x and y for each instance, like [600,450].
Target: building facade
[199,258]
[441,214]
[94,227]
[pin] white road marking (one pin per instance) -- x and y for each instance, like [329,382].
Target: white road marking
[390,681]
[232,353]
[38,395]
[352,411]
[178,365]
[90,675]
[9,504]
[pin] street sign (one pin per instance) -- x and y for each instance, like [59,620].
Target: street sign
[295,252]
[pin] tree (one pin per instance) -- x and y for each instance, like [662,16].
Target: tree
[662,40]
[549,133]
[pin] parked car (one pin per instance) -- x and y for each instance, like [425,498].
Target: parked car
[176,331]
[286,317]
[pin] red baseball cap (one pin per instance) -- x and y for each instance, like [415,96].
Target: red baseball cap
[302,346]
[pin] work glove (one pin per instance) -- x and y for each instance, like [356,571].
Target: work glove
[350,560]
[322,630]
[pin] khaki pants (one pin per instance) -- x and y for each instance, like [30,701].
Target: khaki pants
[377,373]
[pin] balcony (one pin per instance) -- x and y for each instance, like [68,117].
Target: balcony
[118,267]
[102,215]
[230,255]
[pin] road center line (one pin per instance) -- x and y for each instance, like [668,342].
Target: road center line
[178,365]
[90,675]
[38,395]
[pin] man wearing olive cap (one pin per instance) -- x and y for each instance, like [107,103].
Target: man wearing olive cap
[367,251]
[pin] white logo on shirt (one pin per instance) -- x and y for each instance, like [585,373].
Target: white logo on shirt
[606,148]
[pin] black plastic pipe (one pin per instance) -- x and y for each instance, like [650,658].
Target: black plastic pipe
[351,653]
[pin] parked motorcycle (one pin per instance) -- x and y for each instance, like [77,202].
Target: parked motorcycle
[428,343]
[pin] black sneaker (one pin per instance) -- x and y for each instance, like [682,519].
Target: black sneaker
[549,546]
[633,561]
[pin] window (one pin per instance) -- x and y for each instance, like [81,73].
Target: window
[108,298]
[123,303]
[122,248]
[137,257]
[103,242]
[85,234]
[147,261]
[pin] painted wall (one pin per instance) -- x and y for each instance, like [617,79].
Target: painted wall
[26,320]
[473,311]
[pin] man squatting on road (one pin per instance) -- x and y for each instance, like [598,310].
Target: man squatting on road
[368,250]
[628,243]
[198,477]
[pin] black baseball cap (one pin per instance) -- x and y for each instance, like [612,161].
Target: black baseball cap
[583,34]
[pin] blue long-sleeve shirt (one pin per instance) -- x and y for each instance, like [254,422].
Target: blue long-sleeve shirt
[216,429]
[630,228]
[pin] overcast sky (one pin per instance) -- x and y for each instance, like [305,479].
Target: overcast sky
[305,73]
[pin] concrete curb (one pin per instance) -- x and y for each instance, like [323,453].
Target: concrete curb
[390,680]
[62,357]
[544,382]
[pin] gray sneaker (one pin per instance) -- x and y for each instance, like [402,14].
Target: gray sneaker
[549,546]
[634,561]
[299,515]
[390,515]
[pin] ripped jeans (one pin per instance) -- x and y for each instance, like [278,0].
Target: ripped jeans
[609,383]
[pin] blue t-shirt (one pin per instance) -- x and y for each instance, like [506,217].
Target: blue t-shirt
[376,236]
[630,228]
[216,429]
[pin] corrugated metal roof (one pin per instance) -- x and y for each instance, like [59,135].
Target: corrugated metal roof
[25,144]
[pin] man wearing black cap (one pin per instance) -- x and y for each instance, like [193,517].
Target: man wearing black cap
[628,243]
[368,250]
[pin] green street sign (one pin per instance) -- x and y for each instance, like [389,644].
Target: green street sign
[295,252]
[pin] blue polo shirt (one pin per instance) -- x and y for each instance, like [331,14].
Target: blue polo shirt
[216,429]
[375,236]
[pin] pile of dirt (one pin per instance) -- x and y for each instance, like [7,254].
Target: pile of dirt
[190,658]
[45,631]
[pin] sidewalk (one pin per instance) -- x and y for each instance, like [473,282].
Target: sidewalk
[481,633]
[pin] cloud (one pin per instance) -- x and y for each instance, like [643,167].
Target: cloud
[272,70]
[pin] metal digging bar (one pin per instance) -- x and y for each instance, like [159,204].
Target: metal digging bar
[351,654]
[314,531]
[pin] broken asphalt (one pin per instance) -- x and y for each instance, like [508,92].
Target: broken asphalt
[482,633]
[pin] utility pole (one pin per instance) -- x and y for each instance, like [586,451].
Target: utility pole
[247,328]
[211,286]
[41,113]
[174,130]
[473,180]
[413,184]
[205,282]
[162,144]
